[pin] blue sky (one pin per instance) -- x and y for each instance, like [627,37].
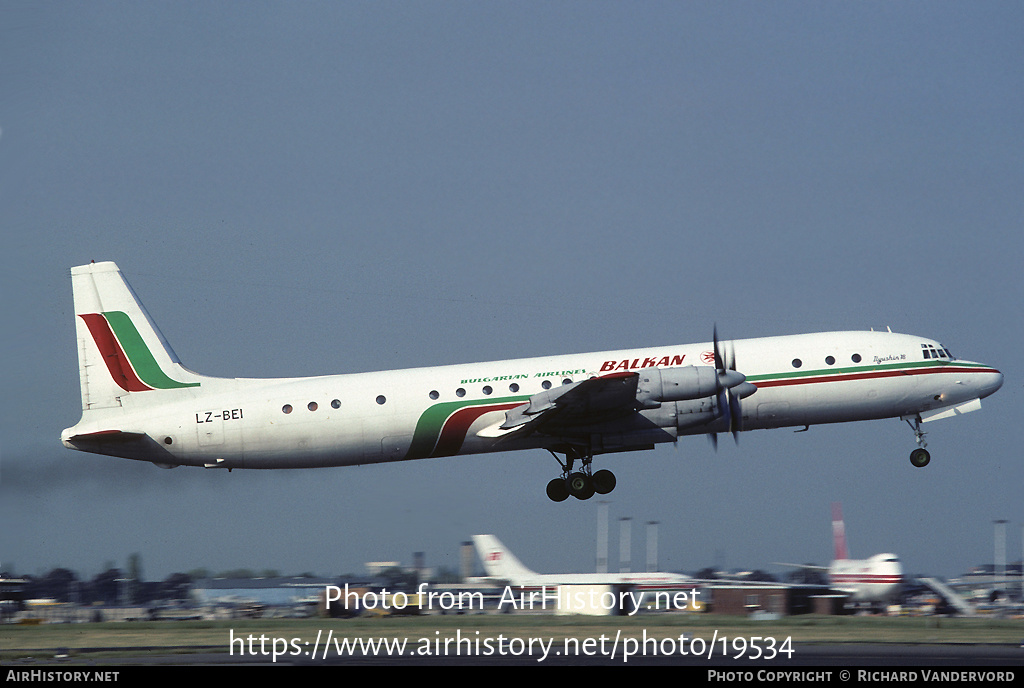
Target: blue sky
[329,187]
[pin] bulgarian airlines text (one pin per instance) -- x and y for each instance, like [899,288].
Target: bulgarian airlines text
[327,645]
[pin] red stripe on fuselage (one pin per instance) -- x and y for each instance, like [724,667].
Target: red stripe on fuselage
[453,434]
[868,376]
[865,578]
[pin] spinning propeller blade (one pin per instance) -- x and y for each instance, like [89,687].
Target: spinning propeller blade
[728,401]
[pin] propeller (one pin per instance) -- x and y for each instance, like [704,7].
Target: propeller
[731,387]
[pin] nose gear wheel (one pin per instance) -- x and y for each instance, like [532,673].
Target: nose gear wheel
[920,456]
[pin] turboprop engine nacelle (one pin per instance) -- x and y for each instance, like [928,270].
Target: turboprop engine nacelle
[681,384]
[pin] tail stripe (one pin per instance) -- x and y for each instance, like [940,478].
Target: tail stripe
[117,363]
[128,359]
[139,354]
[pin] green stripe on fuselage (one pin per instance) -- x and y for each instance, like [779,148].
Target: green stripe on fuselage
[860,370]
[431,422]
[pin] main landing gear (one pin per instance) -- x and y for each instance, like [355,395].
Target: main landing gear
[581,484]
[920,456]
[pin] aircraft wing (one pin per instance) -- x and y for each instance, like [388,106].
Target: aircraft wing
[603,397]
[810,567]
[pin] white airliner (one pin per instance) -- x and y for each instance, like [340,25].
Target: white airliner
[876,579]
[500,564]
[139,402]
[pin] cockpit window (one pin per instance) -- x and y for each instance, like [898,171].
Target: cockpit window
[932,351]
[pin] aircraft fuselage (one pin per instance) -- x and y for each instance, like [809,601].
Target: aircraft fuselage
[360,418]
[877,579]
[140,402]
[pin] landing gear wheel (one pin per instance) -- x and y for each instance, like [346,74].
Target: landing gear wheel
[558,491]
[581,486]
[920,456]
[604,481]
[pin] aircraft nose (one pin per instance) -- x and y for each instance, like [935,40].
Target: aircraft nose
[993,380]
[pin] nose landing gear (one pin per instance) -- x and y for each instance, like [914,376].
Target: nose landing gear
[920,456]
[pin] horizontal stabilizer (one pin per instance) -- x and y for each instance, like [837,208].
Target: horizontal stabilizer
[105,437]
[128,445]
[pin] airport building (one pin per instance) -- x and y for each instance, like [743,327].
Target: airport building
[760,599]
[234,597]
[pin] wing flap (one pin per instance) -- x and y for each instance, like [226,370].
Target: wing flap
[950,411]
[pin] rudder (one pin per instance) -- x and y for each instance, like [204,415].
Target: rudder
[498,561]
[120,349]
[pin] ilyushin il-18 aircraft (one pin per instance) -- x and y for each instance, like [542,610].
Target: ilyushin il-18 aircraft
[139,402]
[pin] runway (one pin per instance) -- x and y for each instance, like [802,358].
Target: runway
[835,656]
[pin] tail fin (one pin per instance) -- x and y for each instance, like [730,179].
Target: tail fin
[839,532]
[120,350]
[498,561]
